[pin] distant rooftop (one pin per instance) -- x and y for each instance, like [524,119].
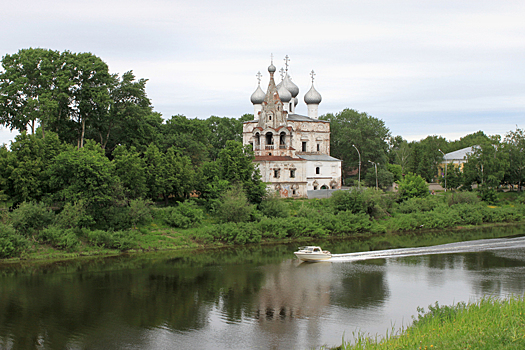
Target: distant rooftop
[460,154]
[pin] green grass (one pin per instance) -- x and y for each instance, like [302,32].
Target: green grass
[490,323]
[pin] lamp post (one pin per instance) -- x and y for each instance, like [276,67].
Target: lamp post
[359,183]
[375,165]
[444,156]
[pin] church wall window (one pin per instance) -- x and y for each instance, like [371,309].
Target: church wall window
[292,173]
[318,147]
[317,170]
[276,173]
[304,146]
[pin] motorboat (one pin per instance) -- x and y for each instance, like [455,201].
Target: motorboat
[312,253]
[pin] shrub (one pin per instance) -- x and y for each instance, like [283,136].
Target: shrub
[412,185]
[121,240]
[462,197]
[418,205]
[347,223]
[30,217]
[139,212]
[60,238]
[351,200]
[74,216]
[273,206]
[12,244]
[234,207]
[469,214]
[185,215]
[238,233]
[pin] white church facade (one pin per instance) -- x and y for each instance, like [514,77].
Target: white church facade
[292,151]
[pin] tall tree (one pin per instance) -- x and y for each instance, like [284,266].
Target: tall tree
[30,88]
[128,104]
[367,133]
[425,156]
[514,146]
[486,165]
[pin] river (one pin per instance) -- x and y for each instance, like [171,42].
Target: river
[256,297]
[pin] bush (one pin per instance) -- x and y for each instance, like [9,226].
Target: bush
[60,238]
[347,223]
[139,212]
[12,244]
[412,185]
[74,216]
[351,200]
[273,206]
[462,197]
[237,233]
[418,205]
[30,217]
[184,215]
[121,240]
[234,207]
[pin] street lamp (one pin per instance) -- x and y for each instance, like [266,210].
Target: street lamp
[359,183]
[444,156]
[375,165]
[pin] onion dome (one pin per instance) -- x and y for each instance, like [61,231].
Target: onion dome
[271,68]
[290,86]
[258,96]
[312,97]
[284,94]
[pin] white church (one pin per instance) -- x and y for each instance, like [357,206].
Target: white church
[292,151]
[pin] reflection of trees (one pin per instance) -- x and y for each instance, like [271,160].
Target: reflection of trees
[58,303]
[363,286]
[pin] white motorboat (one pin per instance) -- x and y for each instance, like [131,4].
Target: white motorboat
[312,253]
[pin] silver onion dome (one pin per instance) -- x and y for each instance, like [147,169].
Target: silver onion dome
[258,96]
[312,97]
[284,94]
[271,68]
[290,86]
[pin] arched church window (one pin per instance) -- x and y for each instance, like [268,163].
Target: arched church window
[269,138]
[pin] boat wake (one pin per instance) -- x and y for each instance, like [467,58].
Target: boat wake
[460,247]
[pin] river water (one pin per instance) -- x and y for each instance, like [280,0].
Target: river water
[251,297]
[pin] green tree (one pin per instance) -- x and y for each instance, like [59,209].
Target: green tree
[30,88]
[223,130]
[86,175]
[486,165]
[26,175]
[425,156]
[128,104]
[412,185]
[367,133]
[514,146]
[237,167]
[130,167]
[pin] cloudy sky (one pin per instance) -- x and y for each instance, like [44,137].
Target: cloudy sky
[446,68]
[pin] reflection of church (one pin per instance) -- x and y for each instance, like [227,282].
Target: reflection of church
[292,150]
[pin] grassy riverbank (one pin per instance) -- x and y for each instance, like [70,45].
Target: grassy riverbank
[487,324]
[34,232]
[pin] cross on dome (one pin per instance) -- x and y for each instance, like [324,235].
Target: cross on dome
[281,71]
[259,76]
[286,60]
[312,74]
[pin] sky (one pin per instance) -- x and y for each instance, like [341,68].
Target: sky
[447,68]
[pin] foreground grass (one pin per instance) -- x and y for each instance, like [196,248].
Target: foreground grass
[488,324]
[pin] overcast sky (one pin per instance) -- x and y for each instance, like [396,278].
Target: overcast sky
[446,68]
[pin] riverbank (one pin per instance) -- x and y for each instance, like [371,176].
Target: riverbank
[34,233]
[487,324]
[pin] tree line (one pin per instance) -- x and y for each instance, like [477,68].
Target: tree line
[85,121]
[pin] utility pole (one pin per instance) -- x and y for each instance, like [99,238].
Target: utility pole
[444,156]
[375,165]
[359,181]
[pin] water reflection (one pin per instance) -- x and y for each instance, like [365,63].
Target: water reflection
[236,298]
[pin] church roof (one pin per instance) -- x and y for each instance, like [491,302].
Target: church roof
[302,118]
[319,157]
[277,158]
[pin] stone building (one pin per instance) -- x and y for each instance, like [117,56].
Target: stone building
[292,151]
